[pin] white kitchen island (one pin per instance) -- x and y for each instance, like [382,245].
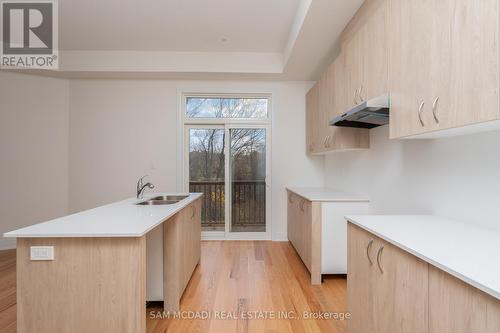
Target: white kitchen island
[96,279]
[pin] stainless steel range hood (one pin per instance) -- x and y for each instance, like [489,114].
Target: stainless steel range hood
[369,114]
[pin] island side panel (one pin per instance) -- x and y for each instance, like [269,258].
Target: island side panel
[182,250]
[172,262]
[92,285]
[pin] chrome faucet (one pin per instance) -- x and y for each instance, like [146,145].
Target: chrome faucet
[141,187]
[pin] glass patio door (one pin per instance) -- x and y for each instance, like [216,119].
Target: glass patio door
[226,157]
[207,172]
[228,165]
[247,160]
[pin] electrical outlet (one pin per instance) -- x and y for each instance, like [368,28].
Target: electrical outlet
[41,252]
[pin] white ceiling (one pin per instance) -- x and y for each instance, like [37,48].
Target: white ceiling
[200,39]
[177,25]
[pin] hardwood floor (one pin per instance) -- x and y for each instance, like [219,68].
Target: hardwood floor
[234,279]
[8,291]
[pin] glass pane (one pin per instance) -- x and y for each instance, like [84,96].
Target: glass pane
[203,107]
[248,180]
[206,174]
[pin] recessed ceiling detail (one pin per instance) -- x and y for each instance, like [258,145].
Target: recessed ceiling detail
[277,39]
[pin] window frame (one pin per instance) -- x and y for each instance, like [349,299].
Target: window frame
[185,123]
[214,121]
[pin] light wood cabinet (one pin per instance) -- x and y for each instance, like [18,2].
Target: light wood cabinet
[391,290]
[455,307]
[312,120]
[444,64]
[366,52]
[182,250]
[401,283]
[300,225]
[354,63]
[325,100]
[387,287]
[361,275]
[317,231]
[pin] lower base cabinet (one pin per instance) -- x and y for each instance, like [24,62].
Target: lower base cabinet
[456,307]
[317,231]
[391,291]
[387,287]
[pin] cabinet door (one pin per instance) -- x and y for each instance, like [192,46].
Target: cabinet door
[343,137]
[354,65]
[360,280]
[464,71]
[409,59]
[375,52]
[401,290]
[455,307]
[325,86]
[312,113]
[339,86]
[444,56]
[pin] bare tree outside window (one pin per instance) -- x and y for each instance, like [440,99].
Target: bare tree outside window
[247,160]
[197,107]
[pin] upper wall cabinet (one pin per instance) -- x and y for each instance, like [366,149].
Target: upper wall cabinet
[443,65]
[325,100]
[312,114]
[365,44]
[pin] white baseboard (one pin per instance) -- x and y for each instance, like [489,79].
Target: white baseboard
[213,235]
[280,237]
[7,243]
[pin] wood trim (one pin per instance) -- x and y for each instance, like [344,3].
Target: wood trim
[92,285]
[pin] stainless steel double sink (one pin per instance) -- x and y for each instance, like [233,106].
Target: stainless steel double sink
[163,200]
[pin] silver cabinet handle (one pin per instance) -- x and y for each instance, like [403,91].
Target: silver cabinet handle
[368,247]
[302,205]
[361,96]
[379,254]
[356,97]
[434,109]
[327,140]
[194,212]
[420,110]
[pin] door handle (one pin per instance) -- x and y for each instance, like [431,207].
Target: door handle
[368,247]
[302,205]
[434,109]
[290,198]
[420,110]
[193,212]
[379,255]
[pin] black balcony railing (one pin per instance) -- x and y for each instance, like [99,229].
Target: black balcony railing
[248,203]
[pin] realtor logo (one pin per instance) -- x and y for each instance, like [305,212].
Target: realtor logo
[29,34]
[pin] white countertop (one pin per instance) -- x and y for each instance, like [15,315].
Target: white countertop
[324,194]
[467,251]
[120,219]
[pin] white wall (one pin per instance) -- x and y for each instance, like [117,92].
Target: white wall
[120,130]
[455,177]
[33,150]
